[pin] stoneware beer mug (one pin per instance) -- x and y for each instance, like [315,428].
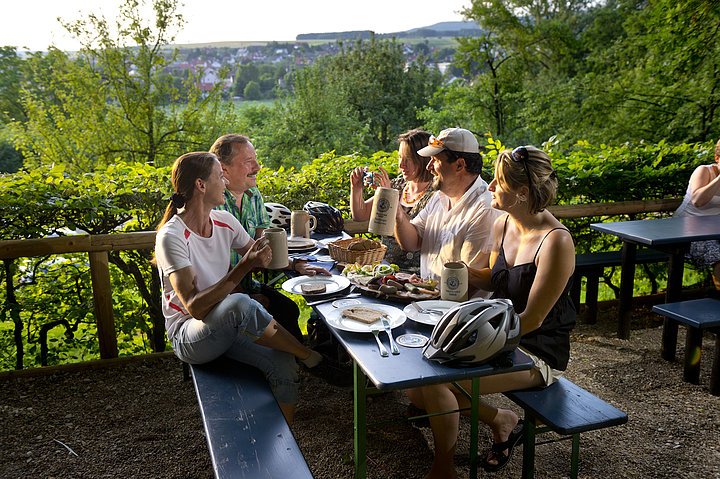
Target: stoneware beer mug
[384,208]
[454,282]
[301,224]
[278,244]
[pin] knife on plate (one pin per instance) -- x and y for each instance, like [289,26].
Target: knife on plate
[327,300]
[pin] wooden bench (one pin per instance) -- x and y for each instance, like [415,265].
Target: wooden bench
[246,431]
[698,315]
[568,410]
[591,266]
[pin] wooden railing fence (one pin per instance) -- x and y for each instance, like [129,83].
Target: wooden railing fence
[98,246]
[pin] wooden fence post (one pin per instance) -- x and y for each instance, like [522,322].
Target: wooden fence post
[102,294]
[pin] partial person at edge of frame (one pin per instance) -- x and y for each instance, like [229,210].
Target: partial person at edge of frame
[531,263]
[702,198]
[204,319]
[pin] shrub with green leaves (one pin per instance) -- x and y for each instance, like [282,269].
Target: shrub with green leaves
[133,196]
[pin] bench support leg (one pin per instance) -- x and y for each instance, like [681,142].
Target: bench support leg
[693,352]
[575,289]
[715,374]
[360,422]
[575,457]
[669,339]
[591,296]
[528,467]
[672,294]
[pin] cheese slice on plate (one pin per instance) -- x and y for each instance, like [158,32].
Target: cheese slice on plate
[363,314]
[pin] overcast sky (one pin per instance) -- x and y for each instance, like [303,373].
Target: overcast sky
[33,23]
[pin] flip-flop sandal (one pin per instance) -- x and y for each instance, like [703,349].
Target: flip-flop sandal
[497,449]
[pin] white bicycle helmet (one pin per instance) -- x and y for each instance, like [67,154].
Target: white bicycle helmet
[279,215]
[475,331]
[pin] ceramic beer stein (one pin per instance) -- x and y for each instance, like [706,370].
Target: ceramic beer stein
[384,208]
[278,244]
[454,282]
[301,224]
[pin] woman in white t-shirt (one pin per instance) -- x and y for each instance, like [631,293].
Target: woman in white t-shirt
[702,198]
[204,319]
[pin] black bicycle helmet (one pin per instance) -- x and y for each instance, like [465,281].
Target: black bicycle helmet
[475,331]
[279,215]
[329,219]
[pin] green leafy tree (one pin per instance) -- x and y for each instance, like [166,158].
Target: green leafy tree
[358,100]
[252,91]
[44,201]
[660,78]
[11,108]
[114,101]
[111,106]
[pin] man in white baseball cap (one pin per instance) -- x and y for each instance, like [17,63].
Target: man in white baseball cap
[456,225]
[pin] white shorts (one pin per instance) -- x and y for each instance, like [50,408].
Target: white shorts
[549,374]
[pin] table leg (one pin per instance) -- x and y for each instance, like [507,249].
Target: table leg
[360,422]
[627,284]
[693,352]
[474,404]
[715,374]
[673,293]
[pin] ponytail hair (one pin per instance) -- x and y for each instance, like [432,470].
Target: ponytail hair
[185,171]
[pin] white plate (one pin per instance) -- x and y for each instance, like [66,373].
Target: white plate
[336,320]
[300,243]
[332,284]
[344,303]
[425,318]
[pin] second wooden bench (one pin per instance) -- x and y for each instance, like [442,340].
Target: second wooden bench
[567,409]
[698,315]
[591,266]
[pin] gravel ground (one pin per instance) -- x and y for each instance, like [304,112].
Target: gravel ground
[139,419]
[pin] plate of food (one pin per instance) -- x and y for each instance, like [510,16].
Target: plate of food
[316,285]
[364,318]
[296,243]
[428,312]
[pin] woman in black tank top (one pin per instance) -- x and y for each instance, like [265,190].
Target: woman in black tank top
[532,263]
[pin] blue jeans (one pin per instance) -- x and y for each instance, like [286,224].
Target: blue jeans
[231,329]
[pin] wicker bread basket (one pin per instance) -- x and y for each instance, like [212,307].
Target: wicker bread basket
[339,251]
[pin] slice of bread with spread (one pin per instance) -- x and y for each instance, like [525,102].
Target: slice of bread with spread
[313,288]
[363,314]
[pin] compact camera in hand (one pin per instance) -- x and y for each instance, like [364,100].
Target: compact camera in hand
[368,178]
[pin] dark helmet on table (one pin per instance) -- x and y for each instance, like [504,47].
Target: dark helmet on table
[329,219]
[279,215]
[475,331]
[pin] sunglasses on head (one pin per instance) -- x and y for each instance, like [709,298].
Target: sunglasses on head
[436,142]
[521,155]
